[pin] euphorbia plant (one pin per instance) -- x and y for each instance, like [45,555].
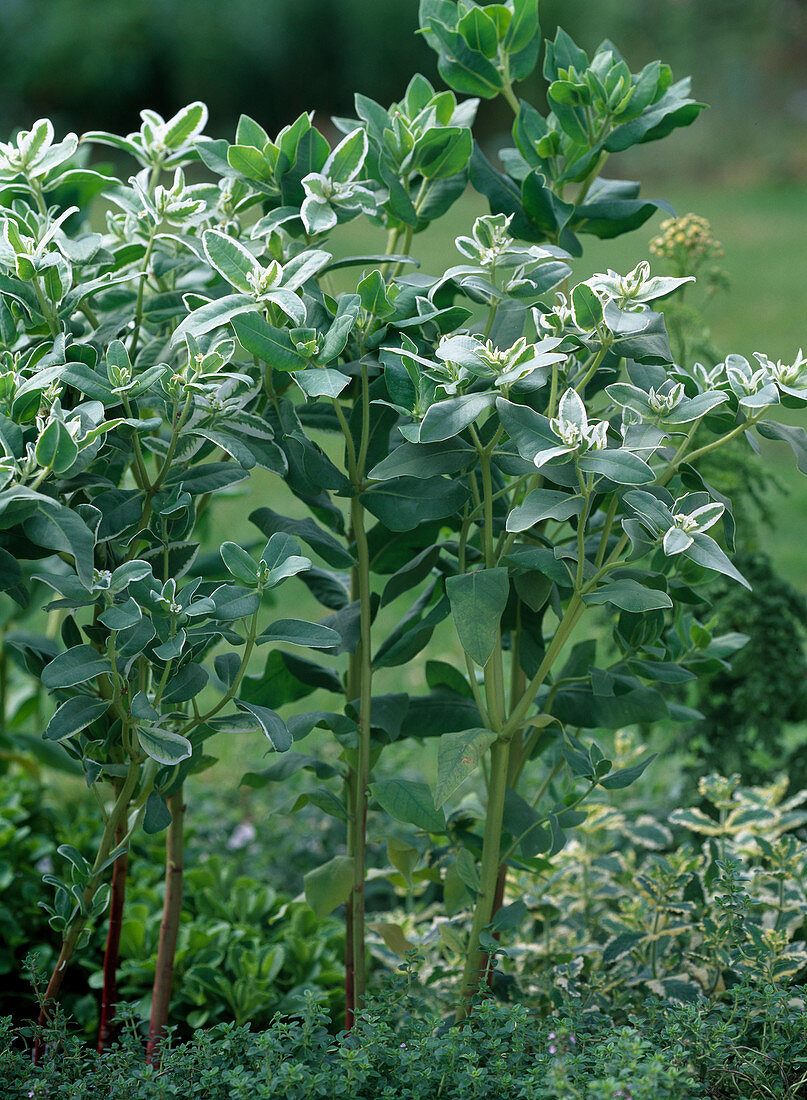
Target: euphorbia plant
[520,463]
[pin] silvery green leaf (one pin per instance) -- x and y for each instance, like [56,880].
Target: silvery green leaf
[303,267]
[693,408]
[543,504]
[276,730]
[185,125]
[212,315]
[767,395]
[241,564]
[549,453]
[629,595]
[346,160]
[321,381]
[74,715]
[164,746]
[232,261]
[676,540]
[705,551]
[618,465]
[572,410]
[652,510]
[318,215]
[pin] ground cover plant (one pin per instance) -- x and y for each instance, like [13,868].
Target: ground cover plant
[492,445]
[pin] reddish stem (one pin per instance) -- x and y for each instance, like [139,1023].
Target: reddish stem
[109,995]
[169,927]
[498,901]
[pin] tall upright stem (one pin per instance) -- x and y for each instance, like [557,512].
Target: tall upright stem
[359,683]
[117,901]
[488,873]
[169,926]
[363,760]
[117,817]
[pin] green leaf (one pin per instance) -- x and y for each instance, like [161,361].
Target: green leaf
[211,316]
[442,152]
[410,574]
[541,504]
[336,337]
[271,723]
[425,460]
[74,715]
[587,308]
[448,418]
[321,381]
[409,801]
[479,31]
[346,160]
[458,756]
[60,528]
[404,502]
[329,885]
[523,28]
[233,602]
[232,261]
[630,595]
[164,746]
[186,124]
[241,564]
[75,666]
[795,436]
[56,448]
[281,555]
[320,541]
[621,466]
[625,776]
[271,345]
[299,632]
[157,816]
[706,552]
[463,69]
[186,684]
[372,291]
[478,601]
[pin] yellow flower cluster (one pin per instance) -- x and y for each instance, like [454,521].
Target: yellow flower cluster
[686,242]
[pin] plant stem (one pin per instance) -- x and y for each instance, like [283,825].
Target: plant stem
[109,995]
[117,817]
[140,292]
[169,926]
[363,762]
[359,682]
[488,874]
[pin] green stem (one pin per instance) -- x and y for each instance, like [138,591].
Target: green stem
[47,313]
[567,624]
[488,874]
[140,292]
[169,926]
[363,762]
[232,691]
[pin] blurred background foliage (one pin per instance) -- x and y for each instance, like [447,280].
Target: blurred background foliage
[96,63]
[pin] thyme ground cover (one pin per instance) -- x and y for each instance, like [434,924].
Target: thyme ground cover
[518,454]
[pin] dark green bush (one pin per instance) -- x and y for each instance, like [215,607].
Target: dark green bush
[753,1043]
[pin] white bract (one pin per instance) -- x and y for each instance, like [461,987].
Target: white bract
[571,426]
[754,388]
[790,378]
[491,245]
[688,523]
[633,291]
